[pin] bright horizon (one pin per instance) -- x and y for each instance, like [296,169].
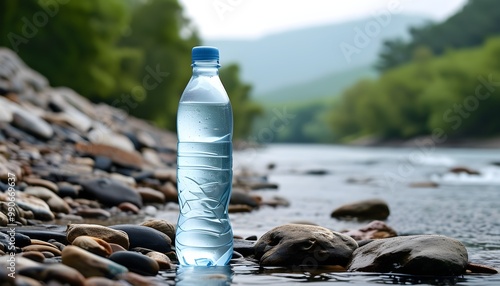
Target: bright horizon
[244,19]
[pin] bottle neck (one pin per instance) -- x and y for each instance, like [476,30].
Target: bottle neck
[206,68]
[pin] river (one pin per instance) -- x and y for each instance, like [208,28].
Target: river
[316,179]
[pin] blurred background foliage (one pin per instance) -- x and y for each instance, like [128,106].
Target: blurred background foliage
[135,55]
[445,78]
[132,54]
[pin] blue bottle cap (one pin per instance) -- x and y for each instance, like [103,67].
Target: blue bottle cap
[201,53]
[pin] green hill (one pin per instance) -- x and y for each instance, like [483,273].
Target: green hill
[305,55]
[326,86]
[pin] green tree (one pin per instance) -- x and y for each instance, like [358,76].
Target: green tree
[459,93]
[244,110]
[470,27]
[72,44]
[159,29]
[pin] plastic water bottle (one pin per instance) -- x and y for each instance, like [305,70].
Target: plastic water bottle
[204,165]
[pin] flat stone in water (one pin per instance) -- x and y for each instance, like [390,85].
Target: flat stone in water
[297,244]
[363,210]
[111,192]
[147,237]
[418,255]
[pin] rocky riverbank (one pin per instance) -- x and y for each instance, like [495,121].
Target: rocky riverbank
[81,183]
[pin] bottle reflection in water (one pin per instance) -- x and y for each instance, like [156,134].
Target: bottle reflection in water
[206,276]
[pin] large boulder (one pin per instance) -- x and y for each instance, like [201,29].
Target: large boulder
[298,244]
[417,255]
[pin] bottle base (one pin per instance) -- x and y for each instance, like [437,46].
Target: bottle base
[204,257]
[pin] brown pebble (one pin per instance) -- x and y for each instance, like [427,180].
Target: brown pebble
[93,213]
[478,268]
[105,233]
[170,192]
[115,247]
[89,264]
[128,207]
[31,181]
[460,169]
[239,209]
[23,280]
[42,248]
[89,203]
[423,185]
[101,281]
[48,254]
[41,242]
[94,245]
[136,279]
[163,261]
[166,174]
[34,255]
[117,155]
[161,225]
[149,195]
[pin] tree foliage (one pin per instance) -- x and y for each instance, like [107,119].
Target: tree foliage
[470,27]
[457,93]
[132,54]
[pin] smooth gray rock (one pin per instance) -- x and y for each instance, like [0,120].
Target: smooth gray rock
[298,244]
[418,255]
[363,210]
[136,262]
[111,192]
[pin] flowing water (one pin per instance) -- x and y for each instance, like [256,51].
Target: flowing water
[465,207]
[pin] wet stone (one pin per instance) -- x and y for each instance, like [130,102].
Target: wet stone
[163,261]
[93,213]
[55,203]
[90,264]
[94,245]
[68,190]
[107,234]
[363,210]
[129,207]
[417,255]
[111,192]
[241,197]
[149,195]
[374,230]
[162,226]
[130,159]
[39,208]
[41,183]
[295,244]
[142,236]
[136,262]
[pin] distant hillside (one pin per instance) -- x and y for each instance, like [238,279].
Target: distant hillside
[305,55]
[326,86]
[477,21]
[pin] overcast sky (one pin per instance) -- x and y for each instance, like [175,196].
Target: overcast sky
[226,19]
